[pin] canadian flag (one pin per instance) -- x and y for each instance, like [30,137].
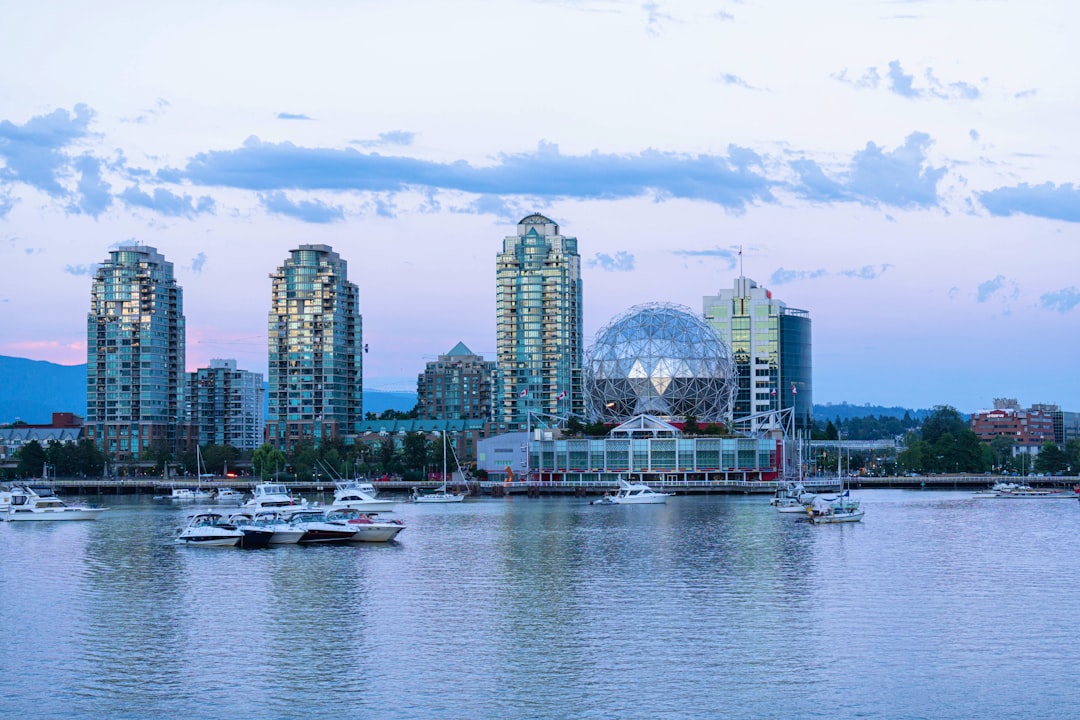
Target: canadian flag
[523,393]
[794,391]
[562,395]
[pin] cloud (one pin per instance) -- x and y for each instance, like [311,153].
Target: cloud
[782,276]
[197,263]
[901,178]
[94,197]
[730,257]
[870,78]
[1024,94]
[168,203]
[547,173]
[32,152]
[1054,202]
[654,16]
[866,272]
[622,261]
[1063,300]
[988,288]
[292,116]
[393,137]
[81,270]
[6,203]
[973,134]
[311,211]
[901,83]
[729,79]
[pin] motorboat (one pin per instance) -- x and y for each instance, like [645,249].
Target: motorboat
[272,496]
[282,533]
[1025,491]
[792,498]
[209,528]
[368,526]
[317,529]
[633,494]
[356,495]
[24,504]
[227,495]
[182,494]
[439,495]
[842,509]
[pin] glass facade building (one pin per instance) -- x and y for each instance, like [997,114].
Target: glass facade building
[225,405]
[458,386]
[135,337]
[539,323]
[771,349]
[315,350]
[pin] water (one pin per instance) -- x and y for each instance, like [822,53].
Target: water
[936,606]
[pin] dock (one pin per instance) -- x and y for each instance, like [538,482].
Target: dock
[537,488]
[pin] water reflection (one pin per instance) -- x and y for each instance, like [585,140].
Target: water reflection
[709,606]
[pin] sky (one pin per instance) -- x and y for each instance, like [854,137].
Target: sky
[906,171]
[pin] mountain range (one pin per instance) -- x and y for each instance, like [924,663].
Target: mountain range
[31,390]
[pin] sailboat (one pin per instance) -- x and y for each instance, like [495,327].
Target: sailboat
[441,494]
[200,472]
[841,509]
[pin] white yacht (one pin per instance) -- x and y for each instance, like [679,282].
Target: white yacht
[283,533]
[633,494]
[228,496]
[26,505]
[367,527]
[209,528]
[270,496]
[317,529]
[355,495]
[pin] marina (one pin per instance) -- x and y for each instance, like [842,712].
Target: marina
[517,604]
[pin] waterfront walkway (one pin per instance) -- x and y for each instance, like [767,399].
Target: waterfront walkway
[155,486]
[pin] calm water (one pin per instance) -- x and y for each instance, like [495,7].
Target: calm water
[936,606]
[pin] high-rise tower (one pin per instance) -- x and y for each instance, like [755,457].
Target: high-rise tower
[770,350]
[539,325]
[315,349]
[135,355]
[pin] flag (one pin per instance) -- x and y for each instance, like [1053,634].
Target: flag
[773,392]
[794,391]
[523,393]
[562,395]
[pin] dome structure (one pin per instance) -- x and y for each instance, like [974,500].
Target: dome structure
[658,359]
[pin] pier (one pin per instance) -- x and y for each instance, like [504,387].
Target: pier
[540,488]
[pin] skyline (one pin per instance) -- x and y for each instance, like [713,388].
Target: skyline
[900,170]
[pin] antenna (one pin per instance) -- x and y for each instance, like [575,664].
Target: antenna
[740,261]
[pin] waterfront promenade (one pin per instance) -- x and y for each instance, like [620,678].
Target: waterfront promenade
[536,488]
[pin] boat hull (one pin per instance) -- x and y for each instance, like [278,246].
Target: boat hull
[378,532]
[54,515]
[209,540]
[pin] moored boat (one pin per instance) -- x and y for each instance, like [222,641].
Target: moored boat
[25,504]
[209,528]
[633,494]
[356,495]
[367,526]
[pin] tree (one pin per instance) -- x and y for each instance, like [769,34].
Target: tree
[941,420]
[266,460]
[31,457]
[1051,459]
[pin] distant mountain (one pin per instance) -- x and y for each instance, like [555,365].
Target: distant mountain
[32,390]
[846,411]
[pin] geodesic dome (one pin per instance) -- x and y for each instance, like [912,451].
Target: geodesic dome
[658,359]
